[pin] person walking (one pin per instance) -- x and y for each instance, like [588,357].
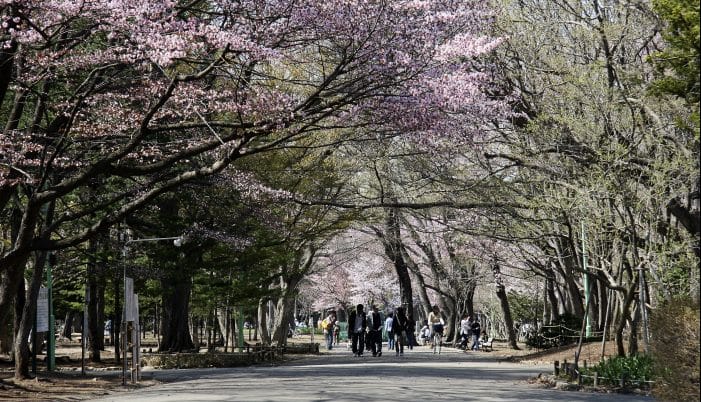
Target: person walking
[399,326]
[375,331]
[388,330]
[336,333]
[328,324]
[410,330]
[465,331]
[357,323]
[475,334]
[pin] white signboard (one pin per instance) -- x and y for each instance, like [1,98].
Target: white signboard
[43,310]
[129,301]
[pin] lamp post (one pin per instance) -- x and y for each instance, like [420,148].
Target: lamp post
[177,242]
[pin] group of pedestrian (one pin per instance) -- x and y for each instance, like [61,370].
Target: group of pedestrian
[365,330]
[470,330]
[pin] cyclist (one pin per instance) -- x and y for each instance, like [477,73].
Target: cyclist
[435,321]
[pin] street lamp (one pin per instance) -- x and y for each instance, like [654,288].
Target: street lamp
[177,242]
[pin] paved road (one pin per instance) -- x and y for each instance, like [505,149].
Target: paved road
[339,376]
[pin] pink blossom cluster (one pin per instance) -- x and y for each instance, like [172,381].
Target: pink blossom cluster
[147,95]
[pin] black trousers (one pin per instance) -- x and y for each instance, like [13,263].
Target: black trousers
[375,341]
[358,342]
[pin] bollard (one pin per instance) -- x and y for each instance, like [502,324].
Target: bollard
[557,368]
[596,379]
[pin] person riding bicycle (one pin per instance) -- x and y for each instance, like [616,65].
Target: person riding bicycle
[435,321]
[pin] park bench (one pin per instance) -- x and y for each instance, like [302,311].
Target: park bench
[487,346]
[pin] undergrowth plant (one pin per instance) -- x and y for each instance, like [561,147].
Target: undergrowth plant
[636,370]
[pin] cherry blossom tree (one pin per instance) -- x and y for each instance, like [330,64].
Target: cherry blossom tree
[354,271]
[133,99]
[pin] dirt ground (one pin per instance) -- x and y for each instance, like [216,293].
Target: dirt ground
[68,384]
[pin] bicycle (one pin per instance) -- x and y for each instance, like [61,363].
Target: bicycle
[437,342]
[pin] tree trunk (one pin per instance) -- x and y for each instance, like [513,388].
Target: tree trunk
[223,319]
[176,306]
[623,316]
[7,61]
[11,287]
[470,301]
[96,291]
[552,300]
[506,310]
[68,325]
[449,310]
[633,333]
[566,267]
[210,321]
[393,246]
[594,302]
[26,322]
[285,313]
[263,321]
[603,304]
[423,295]
[285,308]
[118,282]
[17,111]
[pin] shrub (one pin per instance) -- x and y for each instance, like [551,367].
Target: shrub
[674,328]
[636,370]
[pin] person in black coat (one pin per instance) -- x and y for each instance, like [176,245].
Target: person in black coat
[357,323]
[399,328]
[374,335]
[475,334]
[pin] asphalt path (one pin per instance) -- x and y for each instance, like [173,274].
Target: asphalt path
[337,375]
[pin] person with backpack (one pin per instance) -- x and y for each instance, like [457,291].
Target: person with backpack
[327,325]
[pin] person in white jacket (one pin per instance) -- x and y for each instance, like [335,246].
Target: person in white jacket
[388,330]
[425,333]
